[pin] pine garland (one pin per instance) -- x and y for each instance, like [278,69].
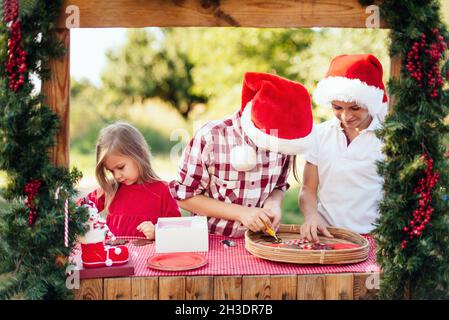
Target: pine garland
[32,227]
[412,233]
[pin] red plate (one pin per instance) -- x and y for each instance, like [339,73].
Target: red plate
[177,261]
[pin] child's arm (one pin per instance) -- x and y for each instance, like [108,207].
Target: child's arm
[274,204]
[274,201]
[252,218]
[308,204]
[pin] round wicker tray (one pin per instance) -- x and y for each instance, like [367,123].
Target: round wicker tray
[256,244]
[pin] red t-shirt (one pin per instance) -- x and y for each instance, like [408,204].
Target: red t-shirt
[135,204]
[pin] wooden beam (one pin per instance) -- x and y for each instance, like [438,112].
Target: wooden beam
[57,96]
[213,13]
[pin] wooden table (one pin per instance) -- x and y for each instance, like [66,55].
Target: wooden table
[342,286]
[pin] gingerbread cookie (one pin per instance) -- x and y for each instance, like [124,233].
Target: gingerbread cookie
[142,242]
[116,242]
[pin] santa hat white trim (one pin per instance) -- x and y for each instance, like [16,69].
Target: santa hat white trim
[345,89]
[270,142]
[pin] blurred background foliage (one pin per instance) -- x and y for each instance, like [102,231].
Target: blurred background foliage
[169,81]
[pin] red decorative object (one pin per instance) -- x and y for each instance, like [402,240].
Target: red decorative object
[31,190]
[422,215]
[124,270]
[178,261]
[16,63]
[430,54]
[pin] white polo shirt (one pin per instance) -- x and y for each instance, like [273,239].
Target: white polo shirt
[349,187]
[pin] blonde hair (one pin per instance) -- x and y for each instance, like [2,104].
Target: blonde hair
[121,138]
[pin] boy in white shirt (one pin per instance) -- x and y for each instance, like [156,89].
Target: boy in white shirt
[341,185]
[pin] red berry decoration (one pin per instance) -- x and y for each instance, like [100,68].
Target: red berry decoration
[422,215]
[423,62]
[16,64]
[31,190]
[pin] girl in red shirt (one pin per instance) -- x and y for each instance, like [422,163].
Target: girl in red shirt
[133,196]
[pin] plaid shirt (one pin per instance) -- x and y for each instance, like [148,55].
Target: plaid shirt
[205,169]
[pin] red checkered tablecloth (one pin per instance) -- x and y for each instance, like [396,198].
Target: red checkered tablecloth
[231,261]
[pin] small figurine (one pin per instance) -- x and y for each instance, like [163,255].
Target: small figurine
[94,252]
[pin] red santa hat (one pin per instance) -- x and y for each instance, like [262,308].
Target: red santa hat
[354,78]
[276,113]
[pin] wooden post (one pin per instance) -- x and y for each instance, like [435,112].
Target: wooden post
[57,96]
[395,73]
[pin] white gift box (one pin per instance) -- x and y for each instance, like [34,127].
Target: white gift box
[184,234]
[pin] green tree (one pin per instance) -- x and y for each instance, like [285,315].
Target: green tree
[145,68]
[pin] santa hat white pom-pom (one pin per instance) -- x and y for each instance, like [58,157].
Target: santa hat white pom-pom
[243,158]
[117,251]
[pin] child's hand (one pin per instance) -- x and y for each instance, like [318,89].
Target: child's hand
[147,228]
[313,224]
[276,212]
[254,218]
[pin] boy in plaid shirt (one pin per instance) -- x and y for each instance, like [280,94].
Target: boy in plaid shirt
[235,170]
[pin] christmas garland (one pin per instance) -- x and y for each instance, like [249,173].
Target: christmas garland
[412,233]
[34,242]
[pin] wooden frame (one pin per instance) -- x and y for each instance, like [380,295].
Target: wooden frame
[205,13]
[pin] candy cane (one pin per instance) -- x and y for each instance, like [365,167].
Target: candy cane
[66,222]
[66,217]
